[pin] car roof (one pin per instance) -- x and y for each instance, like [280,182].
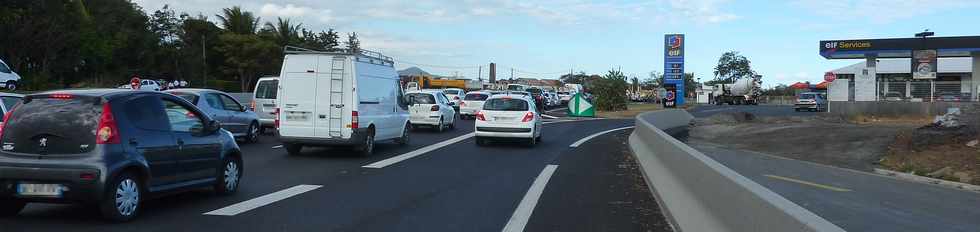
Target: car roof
[426,91]
[3,94]
[106,93]
[193,91]
[268,78]
[510,96]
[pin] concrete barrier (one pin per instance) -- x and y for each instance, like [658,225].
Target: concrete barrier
[700,194]
[895,109]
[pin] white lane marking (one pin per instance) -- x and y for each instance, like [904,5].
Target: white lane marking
[553,110]
[524,210]
[586,139]
[420,151]
[244,206]
[548,116]
[277,146]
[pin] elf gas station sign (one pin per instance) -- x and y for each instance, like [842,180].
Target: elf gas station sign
[674,68]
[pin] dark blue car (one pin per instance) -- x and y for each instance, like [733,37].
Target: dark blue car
[114,148]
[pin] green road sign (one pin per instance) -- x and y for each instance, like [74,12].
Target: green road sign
[580,107]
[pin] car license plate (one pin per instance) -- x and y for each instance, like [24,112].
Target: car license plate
[503,118]
[39,190]
[297,116]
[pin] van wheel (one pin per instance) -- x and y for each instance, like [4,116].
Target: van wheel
[122,200]
[229,177]
[10,207]
[368,147]
[11,85]
[293,149]
[405,135]
[253,133]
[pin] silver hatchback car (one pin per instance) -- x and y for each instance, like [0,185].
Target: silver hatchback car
[233,116]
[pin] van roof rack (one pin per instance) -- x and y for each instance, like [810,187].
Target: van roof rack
[372,55]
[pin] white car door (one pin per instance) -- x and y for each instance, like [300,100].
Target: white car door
[447,109]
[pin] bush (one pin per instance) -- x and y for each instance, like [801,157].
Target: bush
[610,91]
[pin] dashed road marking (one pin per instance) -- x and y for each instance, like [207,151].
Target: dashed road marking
[257,202]
[277,146]
[548,116]
[420,151]
[587,138]
[524,210]
[803,182]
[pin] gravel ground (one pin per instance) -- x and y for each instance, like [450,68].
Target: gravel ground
[819,139]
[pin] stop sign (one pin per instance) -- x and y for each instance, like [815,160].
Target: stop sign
[829,76]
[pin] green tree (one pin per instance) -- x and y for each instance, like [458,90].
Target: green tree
[242,55]
[199,49]
[237,21]
[284,31]
[353,44]
[733,66]
[610,91]
[324,40]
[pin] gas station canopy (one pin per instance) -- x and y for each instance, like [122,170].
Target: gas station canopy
[961,46]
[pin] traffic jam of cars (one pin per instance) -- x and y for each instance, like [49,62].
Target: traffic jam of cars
[115,148]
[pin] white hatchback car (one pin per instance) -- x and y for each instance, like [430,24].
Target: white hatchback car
[508,116]
[431,108]
[472,103]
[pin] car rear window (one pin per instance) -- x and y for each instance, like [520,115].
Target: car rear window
[451,91]
[187,96]
[46,125]
[266,89]
[534,91]
[10,102]
[476,97]
[806,96]
[505,104]
[421,98]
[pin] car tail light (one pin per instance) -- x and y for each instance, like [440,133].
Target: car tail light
[86,176]
[4,123]
[528,116]
[435,108]
[479,116]
[61,96]
[108,132]
[353,120]
[462,104]
[277,118]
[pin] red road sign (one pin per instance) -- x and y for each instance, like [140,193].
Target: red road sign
[829,76]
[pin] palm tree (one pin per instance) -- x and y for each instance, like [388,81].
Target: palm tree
[285,32]
[236,21]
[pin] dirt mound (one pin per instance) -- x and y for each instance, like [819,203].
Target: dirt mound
[949,160]
[727,118]
[935,134]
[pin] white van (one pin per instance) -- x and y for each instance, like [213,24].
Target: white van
[339,99]
[8,78]
[264,101]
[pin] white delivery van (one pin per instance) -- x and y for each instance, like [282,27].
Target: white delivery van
[8,78]
[339,99]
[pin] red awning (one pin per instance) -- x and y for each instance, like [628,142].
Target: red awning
[800,85]
[823,85]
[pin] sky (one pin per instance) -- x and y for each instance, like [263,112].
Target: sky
[544,39]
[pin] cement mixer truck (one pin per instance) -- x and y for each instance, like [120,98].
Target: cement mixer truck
[744,91]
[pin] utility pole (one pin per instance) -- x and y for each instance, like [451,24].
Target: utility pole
[204,60]
[479,75]
[511,73]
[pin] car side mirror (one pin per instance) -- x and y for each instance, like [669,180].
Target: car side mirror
[212,127]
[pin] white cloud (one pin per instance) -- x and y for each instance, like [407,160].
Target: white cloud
[287,11]
[880,11]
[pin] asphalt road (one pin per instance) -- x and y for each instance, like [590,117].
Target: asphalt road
[853,200]
[457,187]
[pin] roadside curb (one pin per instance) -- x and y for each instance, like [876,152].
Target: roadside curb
[927,180]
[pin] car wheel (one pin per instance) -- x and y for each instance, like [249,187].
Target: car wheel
[253,133]
[122,200]
[229,177]
[368,147]
[11,85]
[532,141]
[262,130]
[10,207]
[293,149]
[481,141]
[441,126]
[405,136]
[452,126]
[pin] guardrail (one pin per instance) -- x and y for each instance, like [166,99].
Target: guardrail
[700,194]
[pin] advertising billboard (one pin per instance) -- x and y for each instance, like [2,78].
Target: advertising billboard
[674,64]
[924,63]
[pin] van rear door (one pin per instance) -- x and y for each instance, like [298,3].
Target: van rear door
[297,93]
[333,97]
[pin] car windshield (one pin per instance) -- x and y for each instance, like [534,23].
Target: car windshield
[421,98]
[505,104]
[534,90]
[515,87]
[807,96]
[475,97]
[451,91]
